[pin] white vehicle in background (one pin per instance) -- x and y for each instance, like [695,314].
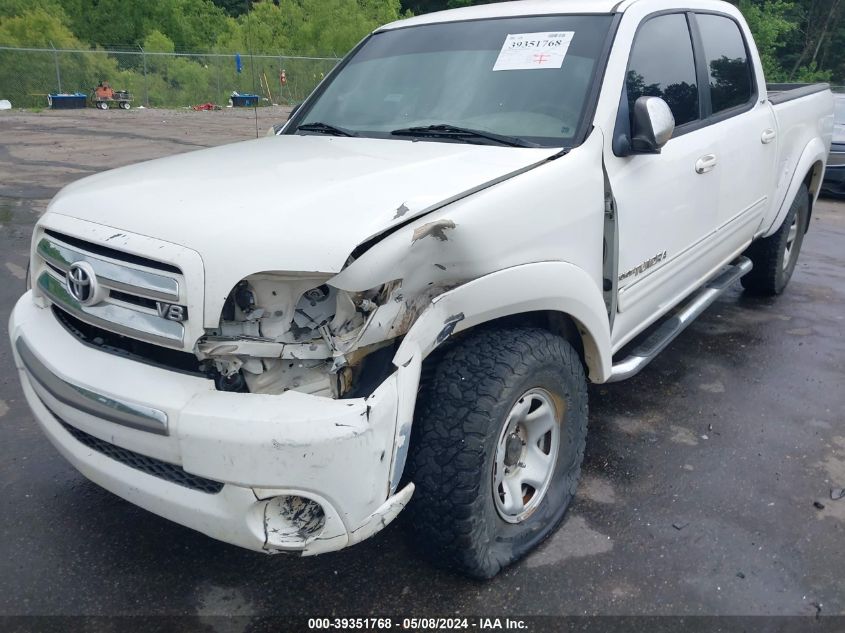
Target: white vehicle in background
[834,177]
[401,296]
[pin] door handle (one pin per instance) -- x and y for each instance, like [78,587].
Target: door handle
[705,163]
[768,136]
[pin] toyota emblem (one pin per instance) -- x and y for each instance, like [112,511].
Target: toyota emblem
[82,283]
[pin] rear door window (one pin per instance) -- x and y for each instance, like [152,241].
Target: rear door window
[662,65]
[727,62]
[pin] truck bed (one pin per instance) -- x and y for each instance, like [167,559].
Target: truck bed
[804,114]
[781,93]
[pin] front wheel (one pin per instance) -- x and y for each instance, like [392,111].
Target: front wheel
[497,448]
[775,257]
[102,105]
[125,105]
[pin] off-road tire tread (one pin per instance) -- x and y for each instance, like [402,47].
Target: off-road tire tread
[455,411]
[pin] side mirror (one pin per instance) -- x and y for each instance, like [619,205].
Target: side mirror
[653,125]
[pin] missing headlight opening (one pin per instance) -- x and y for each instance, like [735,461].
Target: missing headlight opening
[281,332]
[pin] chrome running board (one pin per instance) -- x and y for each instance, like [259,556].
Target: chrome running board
[667,331]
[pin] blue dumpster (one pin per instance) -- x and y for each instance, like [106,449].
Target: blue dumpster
[244,100]
[66,101]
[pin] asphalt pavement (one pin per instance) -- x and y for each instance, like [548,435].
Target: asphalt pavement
[706,488]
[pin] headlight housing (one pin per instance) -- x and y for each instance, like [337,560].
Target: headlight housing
[281,331]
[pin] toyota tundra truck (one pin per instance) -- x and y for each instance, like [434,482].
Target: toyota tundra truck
[396,300]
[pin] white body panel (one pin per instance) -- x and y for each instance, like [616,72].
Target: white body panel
[653,192]
[663,202]
[244,198]
[433,238]
[805,133]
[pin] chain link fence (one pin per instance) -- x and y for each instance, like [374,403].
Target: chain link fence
[29,75]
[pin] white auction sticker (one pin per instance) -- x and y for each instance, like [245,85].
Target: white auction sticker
[527,51]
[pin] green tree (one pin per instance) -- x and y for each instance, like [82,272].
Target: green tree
[173,79]
[26,77]
[808,51]
[190,24]
[233,8]
[770,22]
[308,27]
[12,8]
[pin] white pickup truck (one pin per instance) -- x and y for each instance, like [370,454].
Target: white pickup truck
[397,298]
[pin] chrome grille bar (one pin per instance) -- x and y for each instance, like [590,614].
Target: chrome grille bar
[118,277]
[121,412]
[113,317]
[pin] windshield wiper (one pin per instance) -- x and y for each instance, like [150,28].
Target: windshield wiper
[445,130]
[325,128]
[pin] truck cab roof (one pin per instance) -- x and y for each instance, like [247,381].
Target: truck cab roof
[510,9]
[520,8]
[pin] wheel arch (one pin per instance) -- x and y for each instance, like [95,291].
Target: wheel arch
[557,296]
[559,292]
[808,169]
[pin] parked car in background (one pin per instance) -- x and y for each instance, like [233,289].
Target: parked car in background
[834,176]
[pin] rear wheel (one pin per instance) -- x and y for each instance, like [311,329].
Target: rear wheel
[775,257]
[124,105]
[102,105]
[497,448]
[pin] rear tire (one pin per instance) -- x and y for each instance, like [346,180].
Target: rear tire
[503,410]
[775,257]
[102,105]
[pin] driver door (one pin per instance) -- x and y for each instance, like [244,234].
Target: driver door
[666,203]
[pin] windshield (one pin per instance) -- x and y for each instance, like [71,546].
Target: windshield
[526,78]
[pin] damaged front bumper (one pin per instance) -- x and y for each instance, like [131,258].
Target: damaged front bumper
[290,472]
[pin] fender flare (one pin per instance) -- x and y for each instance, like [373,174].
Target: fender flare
[547,286]
[813,153]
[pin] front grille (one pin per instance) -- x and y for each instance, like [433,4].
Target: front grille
[134,300]
[115,291]
[150,465]
[103,340]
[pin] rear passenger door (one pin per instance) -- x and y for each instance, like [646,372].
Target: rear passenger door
[744,125]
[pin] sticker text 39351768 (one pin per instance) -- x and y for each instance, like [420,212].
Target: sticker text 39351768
[531,51]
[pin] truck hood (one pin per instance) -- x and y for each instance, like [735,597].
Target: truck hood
[287,203]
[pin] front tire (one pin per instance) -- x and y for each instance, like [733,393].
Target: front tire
[775,257]
[496,448]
